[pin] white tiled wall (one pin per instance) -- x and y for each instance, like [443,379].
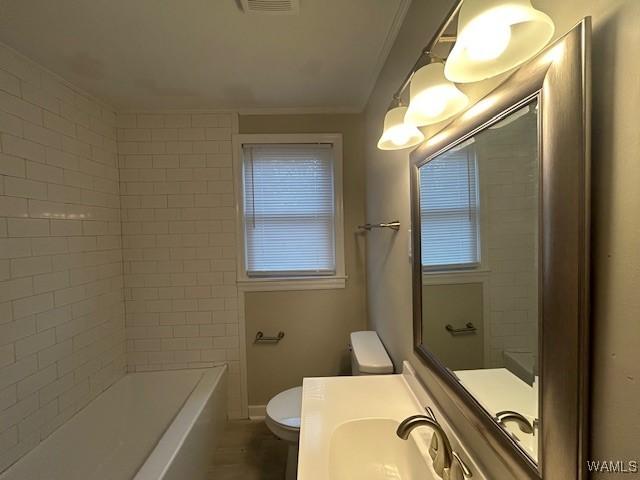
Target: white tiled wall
[509,182]
[61,304]
[179,242]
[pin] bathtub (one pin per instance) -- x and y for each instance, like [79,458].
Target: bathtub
[146,426]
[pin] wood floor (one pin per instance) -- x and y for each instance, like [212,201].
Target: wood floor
[249,451]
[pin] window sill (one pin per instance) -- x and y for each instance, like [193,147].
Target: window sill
[292,283]
[456,271]
[455,276]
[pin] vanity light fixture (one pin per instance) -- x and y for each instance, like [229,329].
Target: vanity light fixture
[433,98]
[397,134]
[495,36]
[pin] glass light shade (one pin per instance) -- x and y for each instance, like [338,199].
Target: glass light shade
[495,36]
[433,97]
[397,134]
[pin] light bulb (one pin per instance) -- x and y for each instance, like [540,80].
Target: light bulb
[432,102]
[399,136]
[495,36]
[432,98]
[486,41]
[396,133]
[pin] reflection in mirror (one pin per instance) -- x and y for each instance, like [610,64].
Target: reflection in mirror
[479,244]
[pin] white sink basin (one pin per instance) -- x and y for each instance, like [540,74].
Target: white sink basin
[369,449]
[348,429]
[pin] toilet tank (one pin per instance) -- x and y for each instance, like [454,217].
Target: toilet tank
[368,356]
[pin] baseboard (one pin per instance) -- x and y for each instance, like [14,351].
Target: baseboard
[257,412]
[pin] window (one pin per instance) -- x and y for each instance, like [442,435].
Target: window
[291,210]
[449,212]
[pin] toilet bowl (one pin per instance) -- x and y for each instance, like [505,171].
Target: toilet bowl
[283,419]
[283,414]
[368,357]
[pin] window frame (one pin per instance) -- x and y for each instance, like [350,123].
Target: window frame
[289,282]
[468,267]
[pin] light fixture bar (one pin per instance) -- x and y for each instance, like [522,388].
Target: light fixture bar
[426,51]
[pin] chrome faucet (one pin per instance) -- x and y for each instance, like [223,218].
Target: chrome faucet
[447,463]
[509,415]
[444,452]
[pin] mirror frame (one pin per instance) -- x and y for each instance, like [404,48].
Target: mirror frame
[560,78]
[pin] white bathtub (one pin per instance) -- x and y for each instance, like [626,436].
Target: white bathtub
[147,426]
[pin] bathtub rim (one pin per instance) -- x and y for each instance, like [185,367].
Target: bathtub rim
[164,453]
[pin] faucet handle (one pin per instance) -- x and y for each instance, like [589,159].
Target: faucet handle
[458,470]
[430,413]
[433,446]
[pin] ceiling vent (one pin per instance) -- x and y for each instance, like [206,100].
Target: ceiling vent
[271,7]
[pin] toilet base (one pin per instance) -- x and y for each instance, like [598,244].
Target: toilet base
[292,462]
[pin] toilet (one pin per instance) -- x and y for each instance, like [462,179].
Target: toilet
[368,357]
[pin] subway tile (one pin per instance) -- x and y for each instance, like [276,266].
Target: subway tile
[52,318]
[49,282]
[44,173]
[190,134]
[9,83]
[66,227]
[16,372]
[59,124]
[42,209]
[177,120]
[19,187]
[22,148]
[14,248]
[149,121]
[13,207]
[211,120]
[35,343]
[218,133]
[5,270]
[32,305]
[18,410]
[11,124]
[12,166]
[124,120]
[8,397]
[18,107]
[43,136]
[35,382]
[18,288]
[28,227]
[7,355]
[43,98]
[164,134]
[56,388]
[55,242]
[23,267]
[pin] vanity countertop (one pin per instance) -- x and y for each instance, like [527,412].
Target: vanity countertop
[498,389]
[348,429]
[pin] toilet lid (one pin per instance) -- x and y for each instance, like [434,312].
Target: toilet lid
[285,407]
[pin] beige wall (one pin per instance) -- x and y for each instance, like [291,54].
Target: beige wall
[61,306]
[454,304]
[615,232]
[316,323]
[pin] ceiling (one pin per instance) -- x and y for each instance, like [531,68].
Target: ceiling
[195,54]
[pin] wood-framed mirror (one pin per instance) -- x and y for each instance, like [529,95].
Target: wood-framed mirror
[500,241]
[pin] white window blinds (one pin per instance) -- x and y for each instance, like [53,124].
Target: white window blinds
[289,211]
[449,211]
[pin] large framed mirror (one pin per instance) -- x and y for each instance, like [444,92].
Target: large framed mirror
[500,234]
